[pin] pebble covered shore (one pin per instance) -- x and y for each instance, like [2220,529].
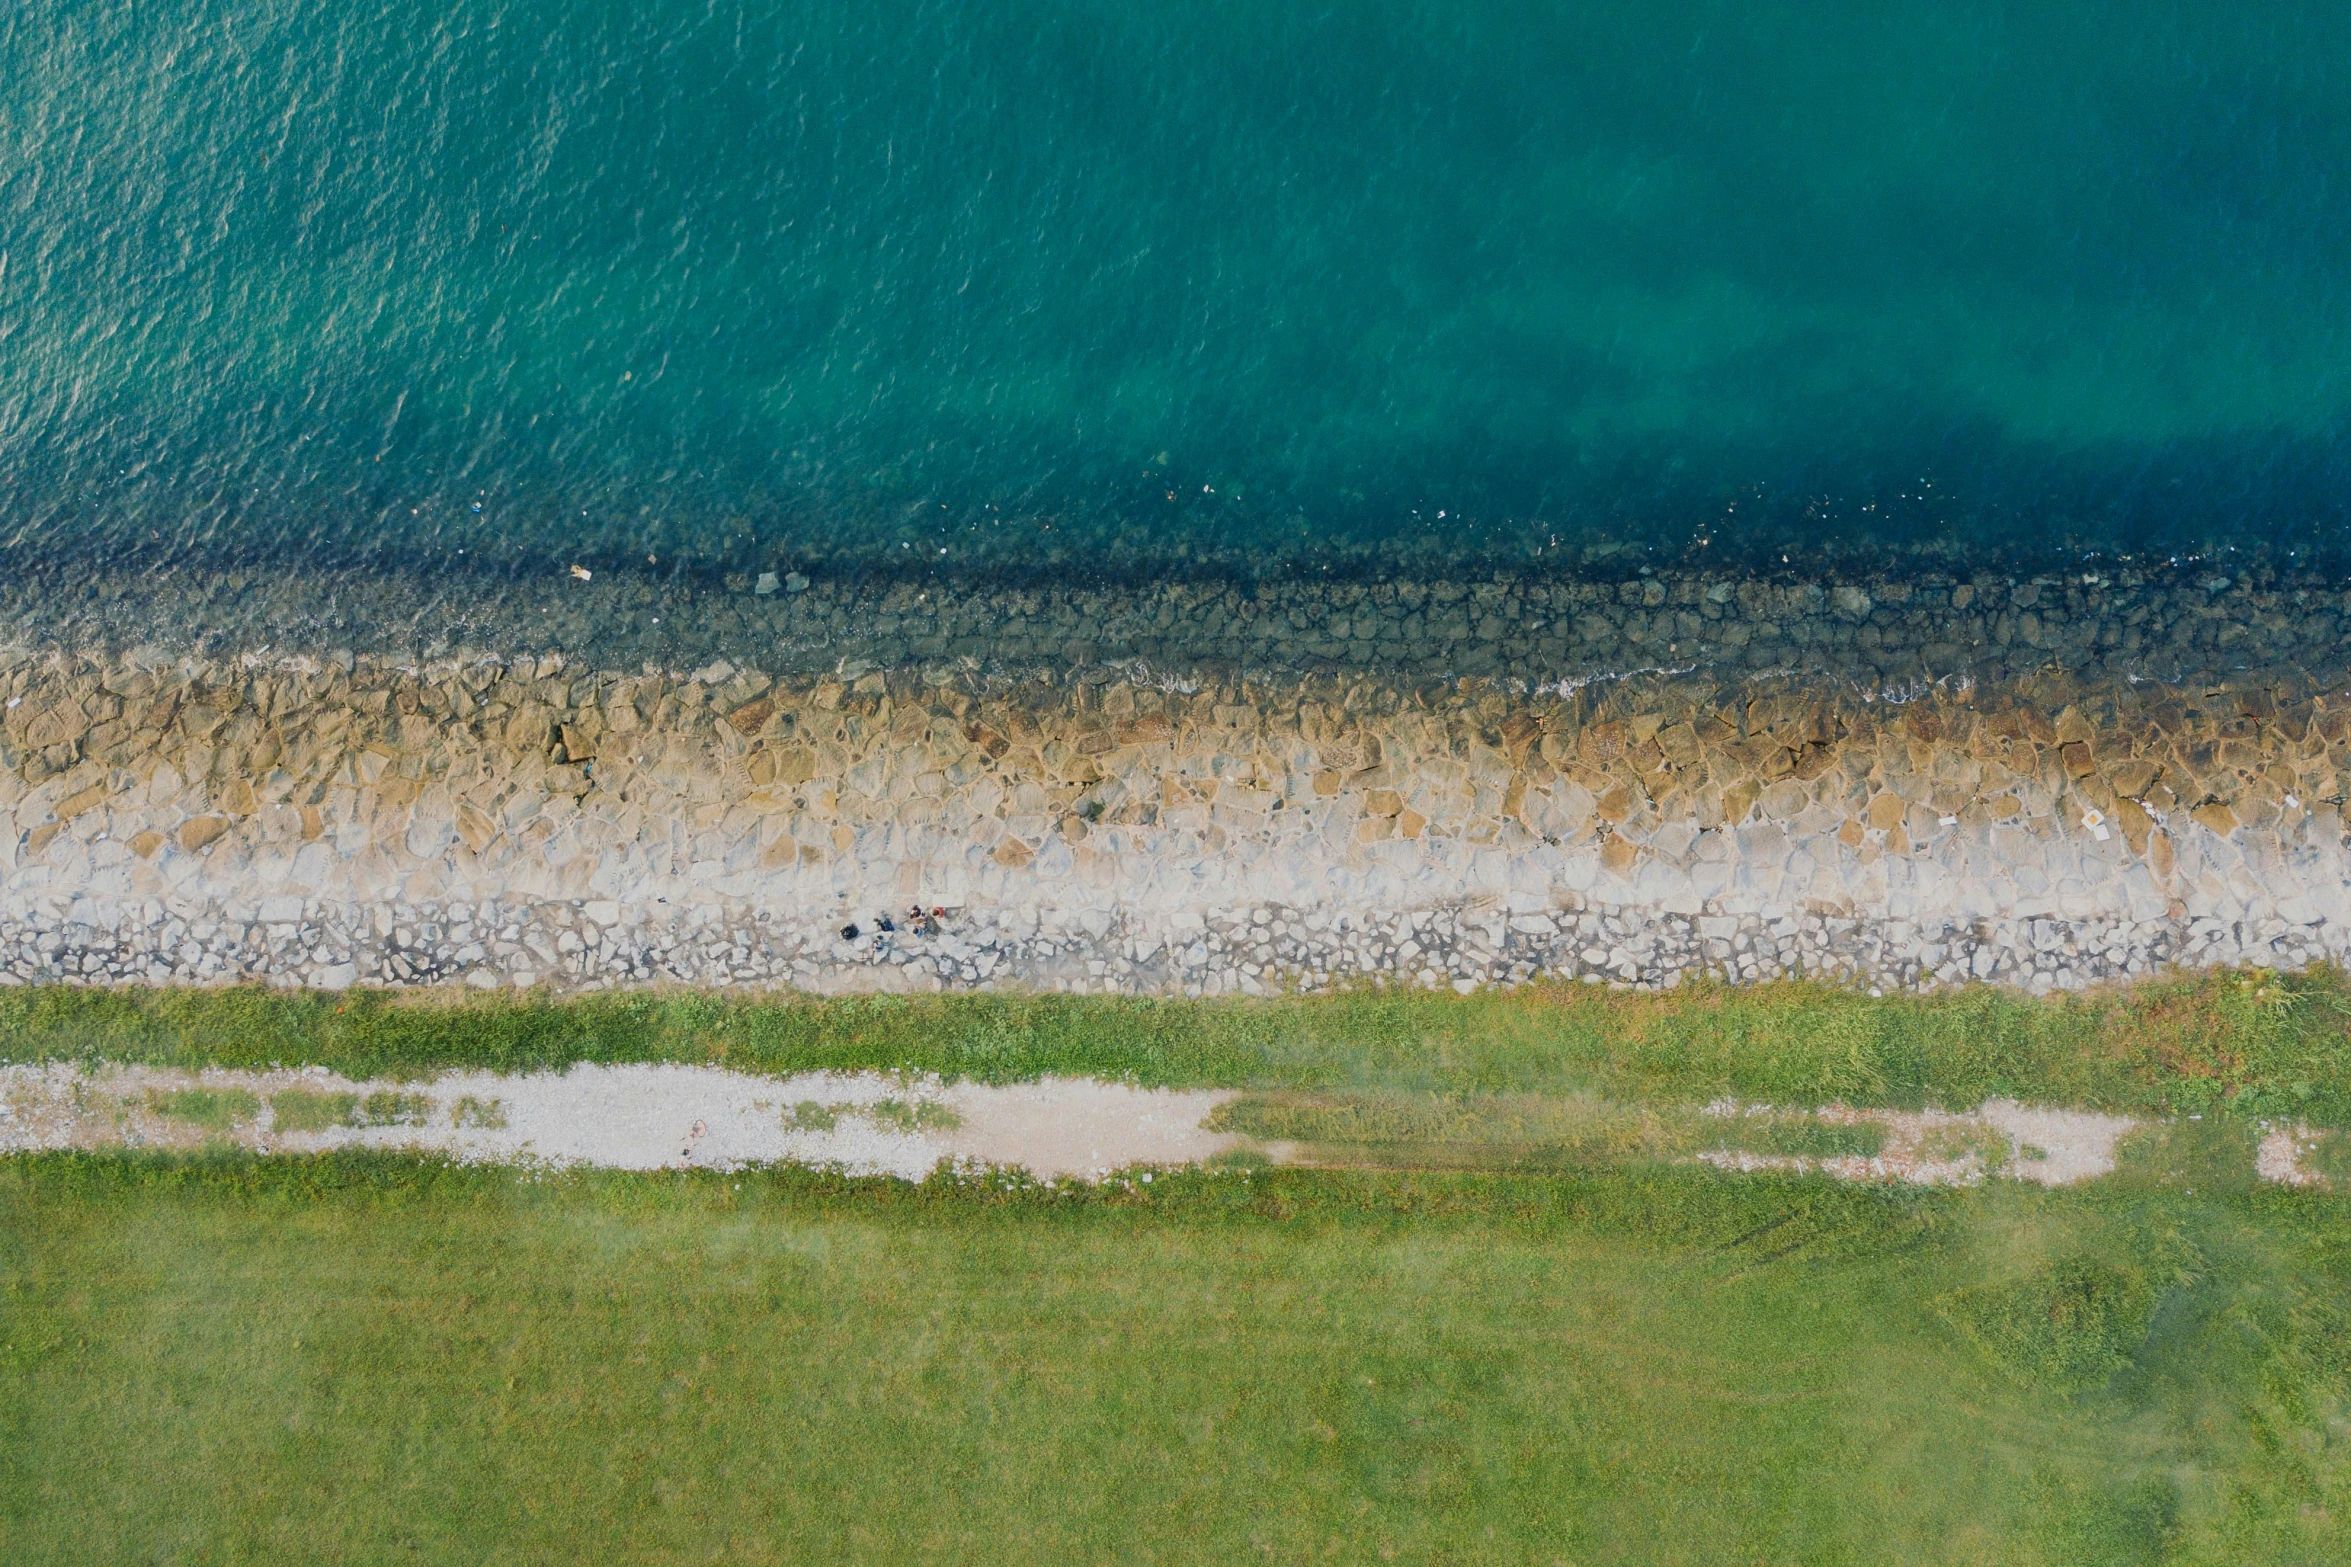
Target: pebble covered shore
[2044,783]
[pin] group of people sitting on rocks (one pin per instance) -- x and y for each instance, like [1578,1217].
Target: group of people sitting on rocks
[919,921]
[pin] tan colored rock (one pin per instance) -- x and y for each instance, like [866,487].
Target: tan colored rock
[197,831]
[1618,856]
[1601,744]
[59,725]
[2216,816]
[475,828]
[528,730]
[144,844]
[1783,800]
[749,718]
[75,804]
[1679,744]
[1152,729]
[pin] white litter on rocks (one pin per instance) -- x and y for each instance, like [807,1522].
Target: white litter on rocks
[639,1118]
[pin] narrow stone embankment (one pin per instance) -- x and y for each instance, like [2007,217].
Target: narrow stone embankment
[333,818]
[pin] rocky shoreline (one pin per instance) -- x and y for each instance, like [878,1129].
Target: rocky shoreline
[2186,624]
[333,813]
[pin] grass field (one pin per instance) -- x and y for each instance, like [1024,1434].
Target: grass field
[1587,1359]
[372,1359]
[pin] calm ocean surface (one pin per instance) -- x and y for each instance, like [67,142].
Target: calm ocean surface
[1055,285]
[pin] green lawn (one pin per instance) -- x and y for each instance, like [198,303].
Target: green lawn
[1581,1356]
[376,1359]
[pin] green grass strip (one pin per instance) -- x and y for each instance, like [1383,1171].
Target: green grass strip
[371,1357]
[2250,1041]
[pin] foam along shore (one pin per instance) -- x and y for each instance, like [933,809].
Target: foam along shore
[334,821]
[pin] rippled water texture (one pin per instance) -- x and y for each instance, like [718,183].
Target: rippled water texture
[1024,282]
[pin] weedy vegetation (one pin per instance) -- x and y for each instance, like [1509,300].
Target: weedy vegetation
[308,1110]
[213,1109]
[488,1115]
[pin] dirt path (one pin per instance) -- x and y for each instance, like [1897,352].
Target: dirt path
[653,1117]
[624,1117]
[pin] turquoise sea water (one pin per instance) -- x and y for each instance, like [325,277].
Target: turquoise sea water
[1012,284]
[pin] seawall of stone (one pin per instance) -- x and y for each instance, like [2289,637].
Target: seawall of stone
[2185,625]
[498,818]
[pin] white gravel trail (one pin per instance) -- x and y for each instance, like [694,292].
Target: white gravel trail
[639,1118]
[871,1123]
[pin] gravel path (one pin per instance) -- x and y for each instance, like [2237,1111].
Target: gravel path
[623,1117]
[684,1117]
